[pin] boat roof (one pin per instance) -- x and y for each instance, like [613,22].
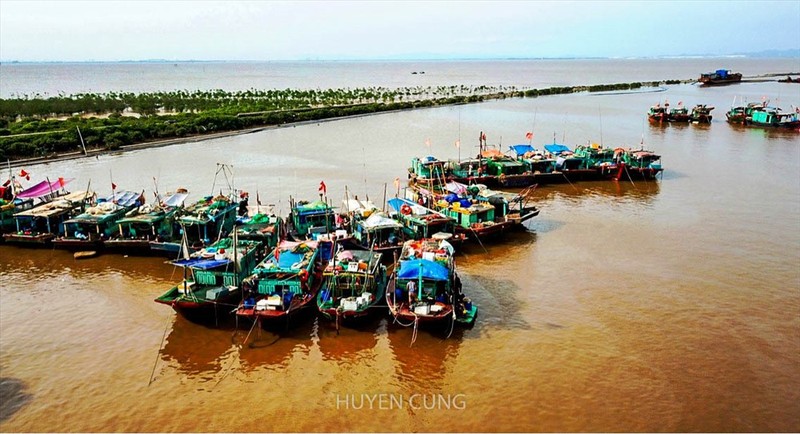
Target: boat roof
[58,206]
[422,268]
[416,209]
[555,148]
[380,221]
[176,199]
[358,205]
[43,188]
[522,149]
[372,259]
[315,207]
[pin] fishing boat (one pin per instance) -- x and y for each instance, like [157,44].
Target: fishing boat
[571,166]
[147,223]
[354,285]
[212,277]
[39,225]
[428,169]
[743,113]
[428,289]
[641,163]
[476,216]
[422,222]
[720,76]
[658,114]
[204,222]
[468,171]
[15,199]
[307,220]
[264,226]
[87,231]
[789,79]
[678,114]
[604,160]
[285,283]
[701,114]
[378,232]
[775,117]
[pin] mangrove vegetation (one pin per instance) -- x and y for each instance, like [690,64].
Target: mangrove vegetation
[34,126]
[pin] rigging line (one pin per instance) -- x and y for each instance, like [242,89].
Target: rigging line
[478,238]
[164,336]
[570,182]
[230,365]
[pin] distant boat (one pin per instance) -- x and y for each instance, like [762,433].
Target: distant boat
[742,114]
[775,117]
[720,76]
[701,113]
[678,114]
[658,114]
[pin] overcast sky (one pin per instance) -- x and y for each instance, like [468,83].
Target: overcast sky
[268,30]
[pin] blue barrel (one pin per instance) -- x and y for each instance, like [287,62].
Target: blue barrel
[468,305]
[465,203]
[287,298]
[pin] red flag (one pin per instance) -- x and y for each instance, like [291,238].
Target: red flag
[483,136]
[258,198]
[113,186]
[323,188]
[23,173]
[529,135]
[61,181]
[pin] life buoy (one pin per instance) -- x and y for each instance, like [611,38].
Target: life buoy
[405,209]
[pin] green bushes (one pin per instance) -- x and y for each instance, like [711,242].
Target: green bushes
[29,128]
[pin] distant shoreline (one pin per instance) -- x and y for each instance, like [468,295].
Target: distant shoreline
[66,156]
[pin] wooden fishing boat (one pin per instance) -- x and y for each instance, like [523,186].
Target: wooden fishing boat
[774,117]
[429,169]
[658,114]
[15,199]
[307,220]
[212,277]
[678,114]
[145,224]
[285,283]
[421,222]
[266,227]
[39,225]
[87,231]
[379,233]
[701,114]
[477,216]
[743,114]
[354,286]
[719,77]
[641,164]
[428,289]
[204,222]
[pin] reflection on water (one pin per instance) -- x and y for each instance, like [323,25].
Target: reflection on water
[423,365]
[13,397]
[196,351]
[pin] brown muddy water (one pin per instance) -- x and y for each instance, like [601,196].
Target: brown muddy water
[626,306]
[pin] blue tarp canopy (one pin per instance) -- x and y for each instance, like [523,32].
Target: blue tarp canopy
[398,203]
[522,149]
[556,148]
[200,263]
[428,269]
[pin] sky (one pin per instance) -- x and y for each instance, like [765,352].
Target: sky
[374,30]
